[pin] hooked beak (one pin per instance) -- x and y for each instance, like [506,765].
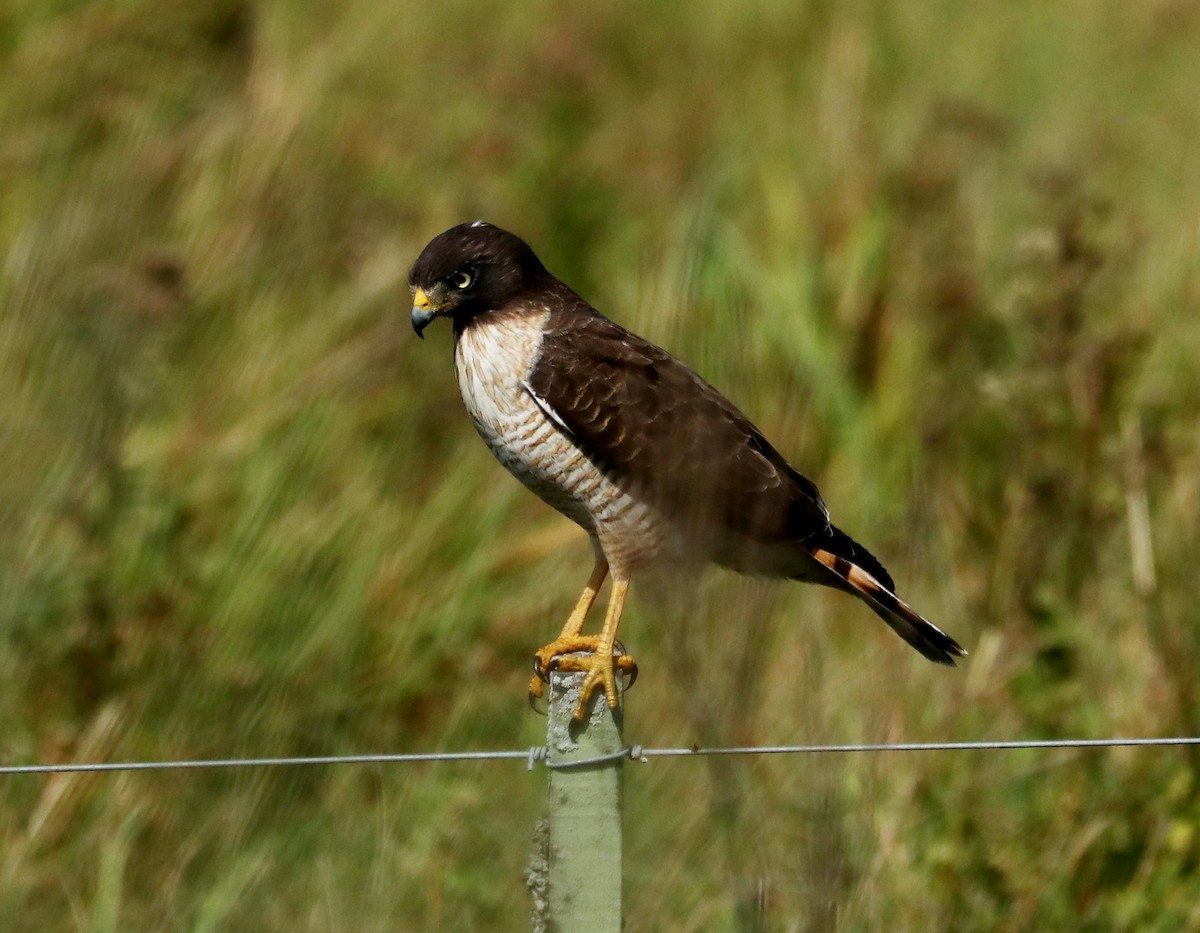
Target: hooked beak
[423,311]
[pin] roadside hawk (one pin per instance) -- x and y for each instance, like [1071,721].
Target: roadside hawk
[632,445]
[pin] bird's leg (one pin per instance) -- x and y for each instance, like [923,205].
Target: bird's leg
[569,638]
[570,641]
[575,623]
[601,666]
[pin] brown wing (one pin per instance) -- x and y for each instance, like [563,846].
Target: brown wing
[643,416]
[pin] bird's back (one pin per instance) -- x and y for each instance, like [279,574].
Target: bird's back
[650,421]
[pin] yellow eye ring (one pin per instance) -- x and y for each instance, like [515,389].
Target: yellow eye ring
[461,279]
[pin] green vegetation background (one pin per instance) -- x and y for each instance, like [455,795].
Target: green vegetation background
[945,254]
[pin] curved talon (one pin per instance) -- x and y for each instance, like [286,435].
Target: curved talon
[537,688]
[583,653]
[625,664]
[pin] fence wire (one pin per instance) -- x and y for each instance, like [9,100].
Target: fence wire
[538,753]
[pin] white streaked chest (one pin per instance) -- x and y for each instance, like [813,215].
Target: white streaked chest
[493,360]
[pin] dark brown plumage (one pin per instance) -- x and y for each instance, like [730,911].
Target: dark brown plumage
[653,462]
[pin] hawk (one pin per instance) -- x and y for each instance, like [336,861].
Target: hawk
[630,444]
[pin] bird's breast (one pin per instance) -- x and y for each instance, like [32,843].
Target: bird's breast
[493,360]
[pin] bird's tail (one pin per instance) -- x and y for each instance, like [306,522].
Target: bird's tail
[919,632]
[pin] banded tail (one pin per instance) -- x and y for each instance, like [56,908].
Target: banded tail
[919,632]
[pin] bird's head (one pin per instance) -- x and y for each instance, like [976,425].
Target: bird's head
[469,270]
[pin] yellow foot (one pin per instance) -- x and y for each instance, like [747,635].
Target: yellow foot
[601,669]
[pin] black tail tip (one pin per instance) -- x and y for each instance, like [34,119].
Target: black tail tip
[941,649]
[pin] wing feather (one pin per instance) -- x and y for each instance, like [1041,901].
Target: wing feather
[642,415]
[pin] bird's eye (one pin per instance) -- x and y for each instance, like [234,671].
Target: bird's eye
[462,279]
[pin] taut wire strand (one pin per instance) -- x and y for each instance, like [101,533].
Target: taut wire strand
[635,752]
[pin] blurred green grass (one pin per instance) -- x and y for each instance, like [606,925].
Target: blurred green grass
[944,254]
